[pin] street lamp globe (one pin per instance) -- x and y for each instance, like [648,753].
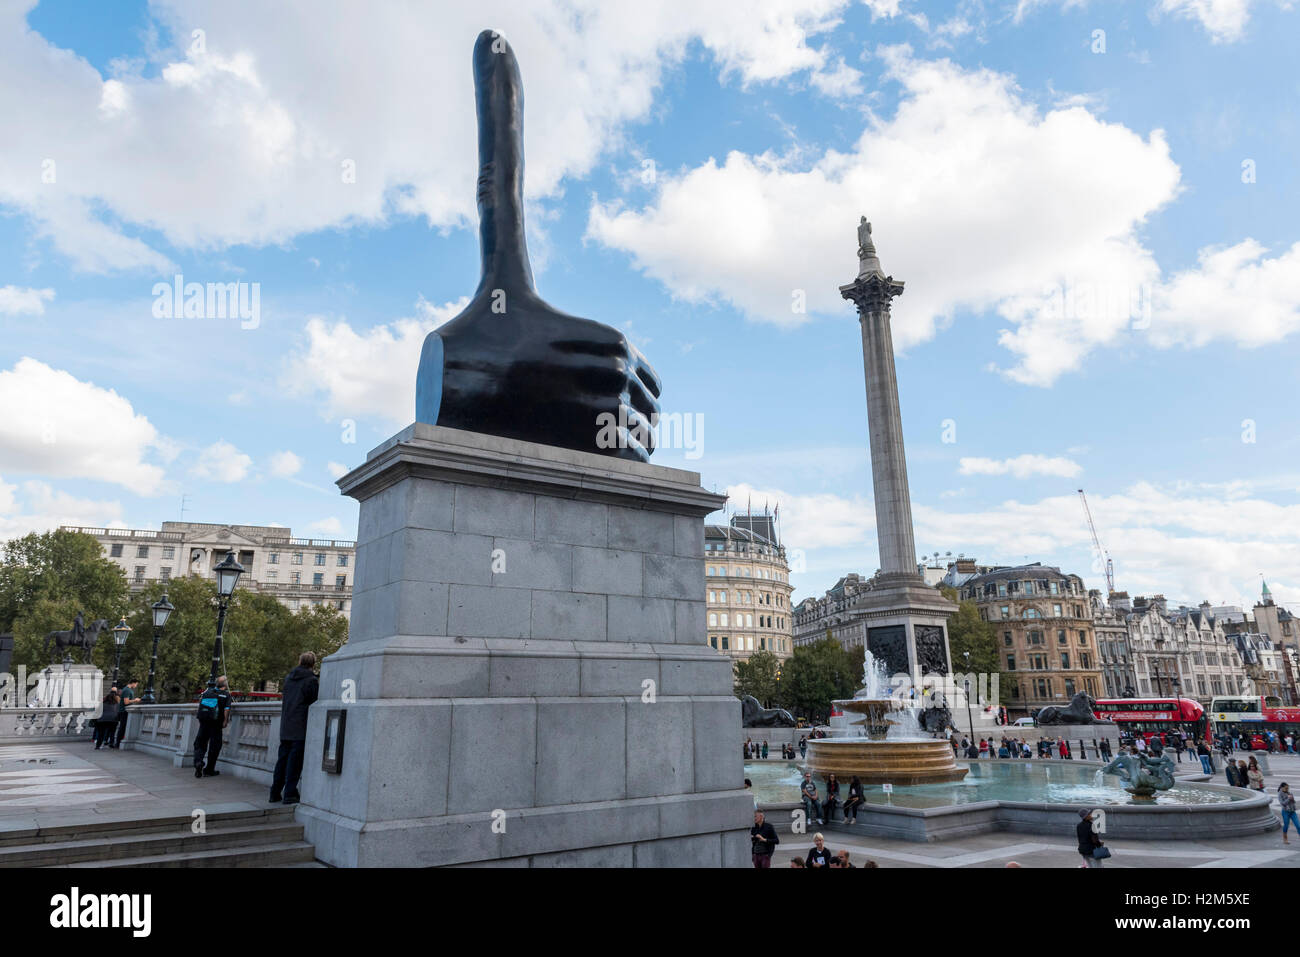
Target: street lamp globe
[121,632]
[162,610]
[228,573]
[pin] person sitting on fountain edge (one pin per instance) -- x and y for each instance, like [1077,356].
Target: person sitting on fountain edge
[811,799]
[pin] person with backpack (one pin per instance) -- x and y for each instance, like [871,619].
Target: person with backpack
[301,688]
[214,717]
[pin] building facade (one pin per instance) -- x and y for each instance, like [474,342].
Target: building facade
[838,611]
[300,572]
[1045,632]
[1115,650]
[747,588]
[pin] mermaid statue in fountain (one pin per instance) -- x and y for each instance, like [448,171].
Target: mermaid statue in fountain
[1143,776]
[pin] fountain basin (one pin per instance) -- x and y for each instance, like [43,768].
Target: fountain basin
[1029,797]
[903,763]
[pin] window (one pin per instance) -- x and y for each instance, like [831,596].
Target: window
[713,642]
[165,574]
[169,552]
[320,558]
[724,619]
[1056,611]
[115,551]
[1065,659]
[139,573]
[1069,687]
[1002,589]
[273,558]
[318,579]
[722,596]
[749,621]
[297,578]
[1055,588]
[142,551]
[722,569]
[1060,636]
[340,581]
[724,642]
[1083,637]
[341,605]
[272,574]
[713,619]
[712,597]
[1006,611]
[343,561]
[297,558]
[1011,662]
[1084,660]
[1030,613]
[1006,638]
[1035,637]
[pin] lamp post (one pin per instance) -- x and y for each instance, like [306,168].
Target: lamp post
[162,610]
[121,632]
[228,573]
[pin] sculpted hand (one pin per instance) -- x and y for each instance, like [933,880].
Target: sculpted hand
[511,364]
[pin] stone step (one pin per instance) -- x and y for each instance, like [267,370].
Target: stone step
[127,825]
[104,850]
[270,855]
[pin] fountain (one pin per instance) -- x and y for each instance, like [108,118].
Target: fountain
[886,745]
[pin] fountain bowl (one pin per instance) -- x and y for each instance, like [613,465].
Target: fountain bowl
[878,759]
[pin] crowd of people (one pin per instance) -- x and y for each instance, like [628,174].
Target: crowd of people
[759,750]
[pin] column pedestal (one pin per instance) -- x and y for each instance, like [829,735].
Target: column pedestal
[526,680]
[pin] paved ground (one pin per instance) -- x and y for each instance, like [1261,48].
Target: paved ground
[43,784]
[47,784]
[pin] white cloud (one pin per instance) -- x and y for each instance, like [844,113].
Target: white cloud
[23,302]
[1223,20]
[285,464]
[1186,541]
[988,179]
[41,508]
[336,469]
[326,526]
[1022,466]
[58,426]
[370,372]
[255,155]
[813,521]
[222,462]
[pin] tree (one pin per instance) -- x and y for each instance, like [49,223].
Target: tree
[261,644]
[817,674]
[757,677]
[45,579]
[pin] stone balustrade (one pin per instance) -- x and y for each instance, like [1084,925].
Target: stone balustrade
[252,739]
[46,724]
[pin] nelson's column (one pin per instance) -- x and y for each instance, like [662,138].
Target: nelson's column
[905,619]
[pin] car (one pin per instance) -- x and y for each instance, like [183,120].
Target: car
[1024,723]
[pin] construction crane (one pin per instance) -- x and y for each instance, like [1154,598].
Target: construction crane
[1096,543]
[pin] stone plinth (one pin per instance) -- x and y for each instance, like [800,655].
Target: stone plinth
[526,679]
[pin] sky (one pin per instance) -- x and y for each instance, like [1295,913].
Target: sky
[1092,204]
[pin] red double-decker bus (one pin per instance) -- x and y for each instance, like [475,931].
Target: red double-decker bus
[1249,718]
[1152,716]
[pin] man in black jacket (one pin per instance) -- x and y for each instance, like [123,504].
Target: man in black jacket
[300,690]
[763,841]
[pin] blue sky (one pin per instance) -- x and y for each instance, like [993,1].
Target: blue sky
[1006,161]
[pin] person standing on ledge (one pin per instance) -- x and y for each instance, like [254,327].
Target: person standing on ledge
[214,716]
[301,688]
